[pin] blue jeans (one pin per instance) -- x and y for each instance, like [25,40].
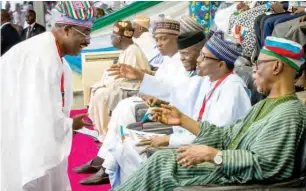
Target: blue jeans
[273,21]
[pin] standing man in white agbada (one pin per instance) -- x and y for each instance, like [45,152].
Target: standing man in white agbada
[36,131]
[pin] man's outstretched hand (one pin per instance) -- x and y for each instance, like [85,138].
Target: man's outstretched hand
[79,123]
[299,10]
[167,114]
[125,71]
[302,19]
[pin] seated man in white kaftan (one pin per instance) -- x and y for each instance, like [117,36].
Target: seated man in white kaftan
[216,95]
[36,98]
[106,94]
[260,147]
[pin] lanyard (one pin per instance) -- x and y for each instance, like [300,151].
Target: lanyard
[191,73]
[209,96]
[62,77]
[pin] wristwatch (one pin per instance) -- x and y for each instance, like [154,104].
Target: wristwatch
[218,159]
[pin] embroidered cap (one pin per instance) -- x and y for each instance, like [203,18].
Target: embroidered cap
[288,51]
[223,49]
[167,26]
[80,13]
[188,24]
[142,21]
[124,29]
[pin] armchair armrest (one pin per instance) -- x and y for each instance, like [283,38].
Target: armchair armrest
[152,127]
[140,111]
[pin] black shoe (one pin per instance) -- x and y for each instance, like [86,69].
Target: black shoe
[87,168]
[99,178]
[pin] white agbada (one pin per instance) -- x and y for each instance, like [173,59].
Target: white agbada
[36,132]
[228,103]
[147,44]
[171,73]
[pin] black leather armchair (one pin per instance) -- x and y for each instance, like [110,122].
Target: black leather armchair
[297,182]
[140,111]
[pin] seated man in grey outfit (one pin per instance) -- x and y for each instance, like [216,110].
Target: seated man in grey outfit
[294,30]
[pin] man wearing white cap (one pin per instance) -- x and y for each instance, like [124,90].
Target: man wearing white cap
[143,38]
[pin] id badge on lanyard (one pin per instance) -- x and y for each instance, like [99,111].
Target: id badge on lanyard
[202,111]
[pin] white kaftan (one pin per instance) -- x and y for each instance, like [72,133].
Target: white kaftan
[36,131]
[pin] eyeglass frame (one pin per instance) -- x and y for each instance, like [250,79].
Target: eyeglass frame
[258,62]
[87,37]
[203,57]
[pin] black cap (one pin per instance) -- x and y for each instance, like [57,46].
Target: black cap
[188,39]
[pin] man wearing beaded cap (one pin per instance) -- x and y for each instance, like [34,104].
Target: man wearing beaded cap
[106,94]
[260,147]
[36,102]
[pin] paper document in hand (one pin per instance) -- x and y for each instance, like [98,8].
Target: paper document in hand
[86,131]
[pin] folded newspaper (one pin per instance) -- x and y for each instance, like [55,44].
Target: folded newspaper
[136,135]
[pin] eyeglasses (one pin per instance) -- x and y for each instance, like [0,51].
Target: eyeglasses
[203,57]
[87,37]
[258,62]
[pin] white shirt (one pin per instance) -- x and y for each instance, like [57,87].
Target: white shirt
[18,18]
[147,44]
[30,29]
[170,74]
[228,103]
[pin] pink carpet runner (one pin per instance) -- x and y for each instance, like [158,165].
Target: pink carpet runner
[83,150]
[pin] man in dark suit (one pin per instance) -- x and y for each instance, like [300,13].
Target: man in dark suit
[33,28]
[9,35]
